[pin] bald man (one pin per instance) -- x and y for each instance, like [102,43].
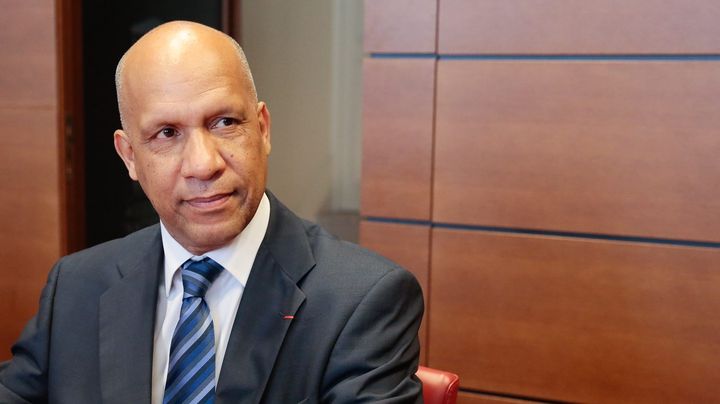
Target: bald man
[231,298]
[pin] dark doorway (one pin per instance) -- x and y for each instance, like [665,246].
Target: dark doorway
[115,205]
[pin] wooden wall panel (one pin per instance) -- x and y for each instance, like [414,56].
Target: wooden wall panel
[400,26]
[397,137]
[29,161]
[579,27]
[610,145]
[615,147]
[29,198]
[27,65]
[409,246]
[29,214]
[29,202]
[575,319]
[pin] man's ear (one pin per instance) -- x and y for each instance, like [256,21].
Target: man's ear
[264,122]
[124,149]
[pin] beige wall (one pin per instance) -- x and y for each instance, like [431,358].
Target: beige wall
[305,58]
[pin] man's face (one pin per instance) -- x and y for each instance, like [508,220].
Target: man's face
[197,142]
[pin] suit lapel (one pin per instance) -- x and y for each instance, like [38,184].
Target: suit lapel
[127,314]
[270,300]
[258,332]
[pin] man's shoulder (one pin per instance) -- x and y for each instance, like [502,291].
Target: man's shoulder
[346,265]
[328,248]
[354,282]
[113,251]
[325,264]
[296,242]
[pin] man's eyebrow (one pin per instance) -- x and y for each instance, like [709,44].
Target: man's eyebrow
[240,112]
[154,123]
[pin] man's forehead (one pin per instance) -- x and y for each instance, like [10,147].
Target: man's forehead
[157,70]
[180,55]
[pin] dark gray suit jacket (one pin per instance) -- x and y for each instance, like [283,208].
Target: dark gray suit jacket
[353,337]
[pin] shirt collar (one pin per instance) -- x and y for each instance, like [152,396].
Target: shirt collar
[236,257]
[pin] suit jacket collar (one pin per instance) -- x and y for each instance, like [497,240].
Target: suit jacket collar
[126,322]
[286,239]
[269,303]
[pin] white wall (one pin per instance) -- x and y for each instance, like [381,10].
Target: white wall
[306,58]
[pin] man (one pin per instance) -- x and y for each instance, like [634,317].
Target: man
[231,298]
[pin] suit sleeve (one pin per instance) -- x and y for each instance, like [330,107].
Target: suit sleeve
[376,355]
[23,379]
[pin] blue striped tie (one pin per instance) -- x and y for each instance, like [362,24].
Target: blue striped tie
[191,374]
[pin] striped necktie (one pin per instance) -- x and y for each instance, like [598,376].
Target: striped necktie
[191,369]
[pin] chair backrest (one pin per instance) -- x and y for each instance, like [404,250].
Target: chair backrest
[439,387]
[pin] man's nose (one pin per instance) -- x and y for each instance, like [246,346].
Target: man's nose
[202,158]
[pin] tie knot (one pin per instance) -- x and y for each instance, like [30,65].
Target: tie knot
[197,276]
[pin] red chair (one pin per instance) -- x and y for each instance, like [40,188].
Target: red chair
[439,387]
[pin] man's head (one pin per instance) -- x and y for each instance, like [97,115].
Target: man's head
[193,134]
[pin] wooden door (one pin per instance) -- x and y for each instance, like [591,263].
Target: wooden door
[38,160]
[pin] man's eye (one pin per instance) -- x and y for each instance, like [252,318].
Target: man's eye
[167,133]
[225,122]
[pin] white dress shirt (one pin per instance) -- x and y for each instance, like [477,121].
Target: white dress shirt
[223,296]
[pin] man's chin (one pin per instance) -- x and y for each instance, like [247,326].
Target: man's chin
[203,238]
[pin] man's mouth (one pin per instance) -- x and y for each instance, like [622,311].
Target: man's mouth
[209,202]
